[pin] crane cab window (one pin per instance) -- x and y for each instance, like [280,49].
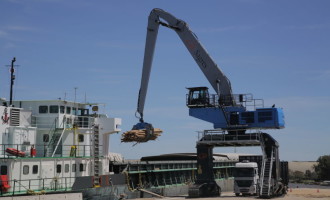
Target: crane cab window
[198,97]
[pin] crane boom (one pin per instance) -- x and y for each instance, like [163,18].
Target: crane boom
[214,75]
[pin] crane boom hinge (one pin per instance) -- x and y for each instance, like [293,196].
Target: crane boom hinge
[168,26]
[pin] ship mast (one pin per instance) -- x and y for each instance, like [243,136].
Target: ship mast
[12,78]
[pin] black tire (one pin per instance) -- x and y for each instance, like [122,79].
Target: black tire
[237,194]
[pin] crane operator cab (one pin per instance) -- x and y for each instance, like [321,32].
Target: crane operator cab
[198,97]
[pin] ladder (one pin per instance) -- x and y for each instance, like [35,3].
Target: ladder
[96,156]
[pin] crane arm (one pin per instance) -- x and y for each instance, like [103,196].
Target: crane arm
[214,75]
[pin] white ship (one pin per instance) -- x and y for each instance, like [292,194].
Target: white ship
[46,145]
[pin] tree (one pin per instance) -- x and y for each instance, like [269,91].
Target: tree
[322,169]
[298,175]
[308,174]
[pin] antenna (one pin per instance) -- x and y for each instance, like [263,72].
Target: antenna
[75,94]
[12,78]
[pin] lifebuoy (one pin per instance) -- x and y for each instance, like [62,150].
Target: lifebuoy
[15,152]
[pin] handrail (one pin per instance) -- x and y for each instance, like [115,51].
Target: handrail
[33,185]
[85,151]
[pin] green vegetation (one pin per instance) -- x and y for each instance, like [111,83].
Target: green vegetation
[322,169]
[302,177]
[321,173]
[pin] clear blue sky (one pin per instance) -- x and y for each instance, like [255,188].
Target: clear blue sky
[277,50]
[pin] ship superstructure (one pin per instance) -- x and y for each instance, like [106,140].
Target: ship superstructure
[46,145]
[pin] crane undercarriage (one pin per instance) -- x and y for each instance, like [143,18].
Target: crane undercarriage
[273,182]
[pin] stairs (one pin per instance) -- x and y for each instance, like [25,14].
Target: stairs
[55,140]
[266,179]
[266,175]
[51,148]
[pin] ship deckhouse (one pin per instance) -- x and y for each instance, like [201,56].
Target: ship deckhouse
[47,145]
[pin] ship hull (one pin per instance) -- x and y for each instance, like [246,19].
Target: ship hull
[122,191]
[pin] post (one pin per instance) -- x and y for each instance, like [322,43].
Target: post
[12,78]
[14,187]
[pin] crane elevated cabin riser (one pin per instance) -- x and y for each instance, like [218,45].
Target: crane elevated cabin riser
[227,112]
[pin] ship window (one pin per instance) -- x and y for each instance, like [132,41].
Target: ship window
[3,170]
[74,166]
[26,169]
[35,169]
[43,109]
[53,109]
[58,168]
[66,168]
[82,167]
[80,138]
[68,110]
[62,108]
[45,137]
[74,111]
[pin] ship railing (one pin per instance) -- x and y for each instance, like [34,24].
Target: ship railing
[38,186]
[40,151]
[61,121]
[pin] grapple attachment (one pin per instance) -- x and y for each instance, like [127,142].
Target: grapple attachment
[141,132]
